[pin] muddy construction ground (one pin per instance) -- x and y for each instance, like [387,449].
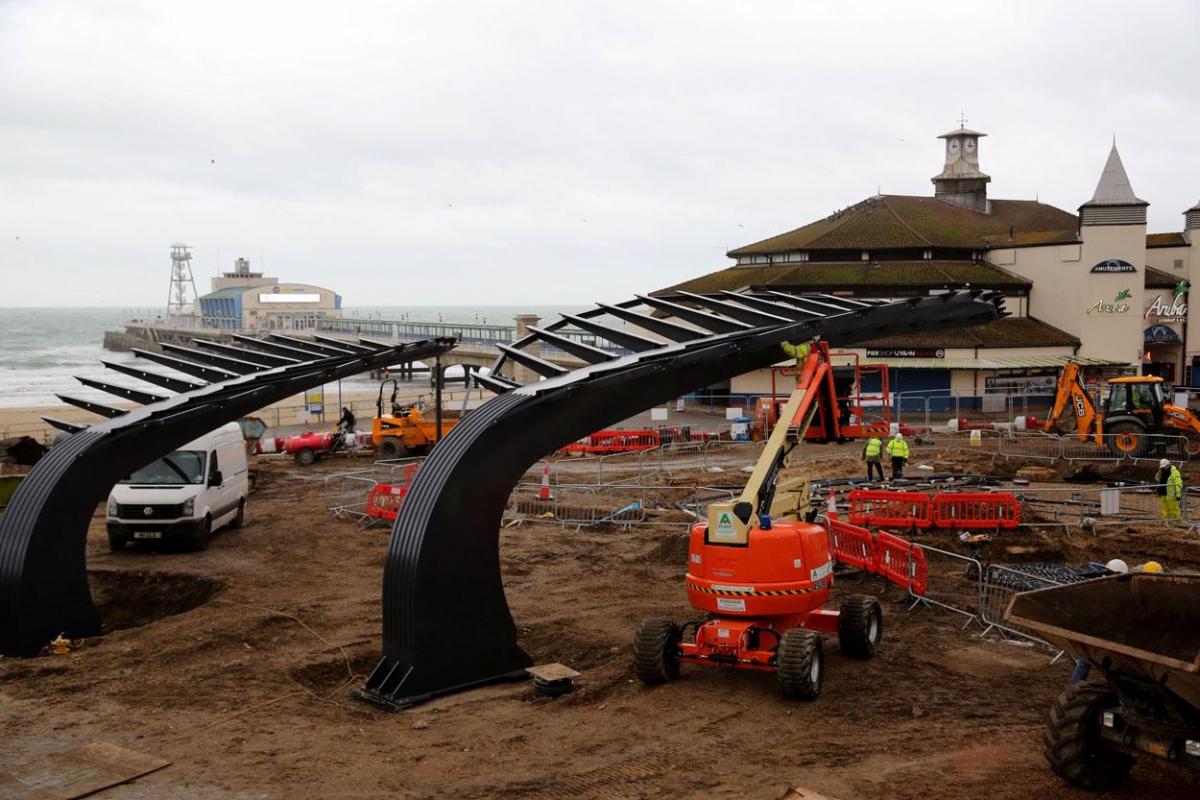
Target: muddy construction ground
[237,664]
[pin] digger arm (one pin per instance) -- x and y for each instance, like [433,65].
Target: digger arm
[1072,398]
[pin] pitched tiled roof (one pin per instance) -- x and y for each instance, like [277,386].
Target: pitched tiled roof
[830,276]
[1006,332]
[1158,279]
[1165,240]
[894,221]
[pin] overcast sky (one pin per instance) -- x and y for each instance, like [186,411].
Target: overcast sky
[543,152]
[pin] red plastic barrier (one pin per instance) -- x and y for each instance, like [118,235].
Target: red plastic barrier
[384,499]
[900,562]
[976,510]
[852,545]
[615,441]
[890,509]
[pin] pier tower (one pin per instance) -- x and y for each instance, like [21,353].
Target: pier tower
[183,286]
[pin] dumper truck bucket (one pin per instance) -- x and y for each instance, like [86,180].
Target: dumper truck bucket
[446,622]
[1142,626]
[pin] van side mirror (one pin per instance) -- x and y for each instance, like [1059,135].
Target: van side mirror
[216,478]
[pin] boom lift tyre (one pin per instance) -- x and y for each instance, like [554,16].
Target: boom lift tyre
[800,665]
[656,650]
[860,626]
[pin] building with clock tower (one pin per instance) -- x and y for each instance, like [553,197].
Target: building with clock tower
[1091,286]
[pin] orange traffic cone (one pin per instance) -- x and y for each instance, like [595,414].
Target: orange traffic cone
[544,493]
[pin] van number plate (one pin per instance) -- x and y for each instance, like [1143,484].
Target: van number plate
[147,534]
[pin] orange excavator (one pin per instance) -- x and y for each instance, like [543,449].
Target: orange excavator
[1134,413]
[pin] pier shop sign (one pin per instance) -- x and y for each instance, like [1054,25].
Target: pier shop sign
[1114,265]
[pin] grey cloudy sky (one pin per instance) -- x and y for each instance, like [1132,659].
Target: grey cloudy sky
[542,152]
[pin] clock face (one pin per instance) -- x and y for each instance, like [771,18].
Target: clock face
[952,146]
[969,145]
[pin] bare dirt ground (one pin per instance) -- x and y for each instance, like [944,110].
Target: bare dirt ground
[237,664]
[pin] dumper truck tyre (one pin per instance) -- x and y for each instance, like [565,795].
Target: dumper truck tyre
[391,448]
[800,665]
[860,626]
[1127,439]
[1072,739]
[306,456]
[656,650]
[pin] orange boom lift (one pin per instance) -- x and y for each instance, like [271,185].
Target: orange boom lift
[1134,413]
[762,571]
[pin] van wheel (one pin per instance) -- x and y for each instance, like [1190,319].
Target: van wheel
[116,542]
[306,456]
[203,533]
[241,515]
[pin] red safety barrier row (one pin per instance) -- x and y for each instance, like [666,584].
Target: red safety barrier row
[988,510]
[885,508]
[384,499]
[615,441]
[884,554]
[891,509]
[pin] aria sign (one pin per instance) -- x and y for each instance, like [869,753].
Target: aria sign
[1118,305]
[1114,265]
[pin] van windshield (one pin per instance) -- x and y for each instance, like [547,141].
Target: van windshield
[180,467]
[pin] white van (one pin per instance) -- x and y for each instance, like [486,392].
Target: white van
[185,495]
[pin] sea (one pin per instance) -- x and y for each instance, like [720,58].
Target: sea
[43,349]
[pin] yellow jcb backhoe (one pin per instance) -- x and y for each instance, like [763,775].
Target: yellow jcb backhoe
[1134,413]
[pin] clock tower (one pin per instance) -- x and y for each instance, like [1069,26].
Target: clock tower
[960,181]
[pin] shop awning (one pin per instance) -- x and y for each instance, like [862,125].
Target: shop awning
[984,362]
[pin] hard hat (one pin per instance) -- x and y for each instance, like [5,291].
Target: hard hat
[1164,463]
[898,435]
[1152,566]
[1117,565]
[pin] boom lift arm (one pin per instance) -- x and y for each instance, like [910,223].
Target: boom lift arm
[731,522]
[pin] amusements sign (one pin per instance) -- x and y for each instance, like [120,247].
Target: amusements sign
[1114,265]
[905,352]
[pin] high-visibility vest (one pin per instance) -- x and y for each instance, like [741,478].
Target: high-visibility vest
[1175,484]
[897,448]
[797,351]
[874,448]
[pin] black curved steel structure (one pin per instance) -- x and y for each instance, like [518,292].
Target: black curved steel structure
[446,622]
[43,579]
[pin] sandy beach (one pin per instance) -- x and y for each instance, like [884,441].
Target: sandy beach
[284,414]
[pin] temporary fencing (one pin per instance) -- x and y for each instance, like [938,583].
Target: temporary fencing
[890,508]
[998,584]
[975,510]
[852,545]
[384,499]
[951,582]
[615,441]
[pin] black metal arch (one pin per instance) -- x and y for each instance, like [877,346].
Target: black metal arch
[446,622]
[43,579]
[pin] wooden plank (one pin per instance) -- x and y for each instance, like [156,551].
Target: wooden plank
[77,773]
